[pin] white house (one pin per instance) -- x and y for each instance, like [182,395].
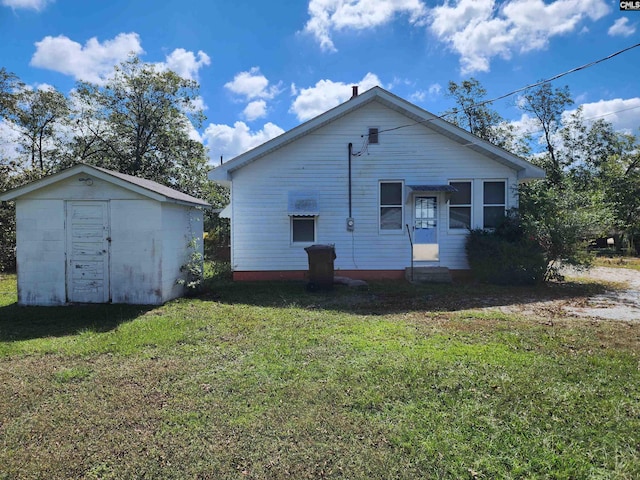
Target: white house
[91,235]
[388,183]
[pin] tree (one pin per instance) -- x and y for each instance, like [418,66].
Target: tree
[619,175]
[141,122]
[39,116]
[547,106]
[562,221]
[474,113]
[570,206]
[8,83]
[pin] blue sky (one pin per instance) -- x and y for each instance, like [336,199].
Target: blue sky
[265,66]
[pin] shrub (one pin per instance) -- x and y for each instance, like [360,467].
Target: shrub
[7,237]
[505,256]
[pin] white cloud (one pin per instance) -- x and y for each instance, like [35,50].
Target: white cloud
[624,114]
[252,84]
[622,28]
[36,5]
[433,91]
[481,29]
[185,63]
[92,62]
[418,96]
[254,110]
[326,94]
[328,16]
[232,141]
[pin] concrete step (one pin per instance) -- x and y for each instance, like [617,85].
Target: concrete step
[428,275]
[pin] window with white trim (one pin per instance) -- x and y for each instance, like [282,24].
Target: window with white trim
[303,229]
[494,203]
[460,206]
[391,206]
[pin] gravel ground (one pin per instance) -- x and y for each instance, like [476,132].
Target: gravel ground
[623,304]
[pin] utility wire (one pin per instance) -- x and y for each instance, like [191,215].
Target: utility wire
[513,92]
[555,77]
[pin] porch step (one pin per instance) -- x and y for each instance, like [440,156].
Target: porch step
[428,274]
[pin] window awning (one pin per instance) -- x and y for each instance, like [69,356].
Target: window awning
[433,188]
[303,204]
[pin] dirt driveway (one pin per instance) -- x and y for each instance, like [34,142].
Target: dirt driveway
[617,304]
[623,304]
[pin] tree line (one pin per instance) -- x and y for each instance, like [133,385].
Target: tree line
[592,184]
[143,119]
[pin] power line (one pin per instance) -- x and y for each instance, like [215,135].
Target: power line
[560,75]
[518,90]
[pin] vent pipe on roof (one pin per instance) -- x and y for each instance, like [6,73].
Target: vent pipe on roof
[354,91]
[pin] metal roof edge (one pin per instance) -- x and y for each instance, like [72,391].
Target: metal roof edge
[102,174]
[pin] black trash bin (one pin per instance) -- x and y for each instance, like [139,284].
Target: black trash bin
[321,259]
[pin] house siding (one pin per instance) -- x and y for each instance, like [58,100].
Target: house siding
[319,162]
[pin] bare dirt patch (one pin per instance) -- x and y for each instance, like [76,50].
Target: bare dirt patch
[620,302]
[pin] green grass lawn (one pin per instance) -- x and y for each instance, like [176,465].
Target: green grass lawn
[268,381]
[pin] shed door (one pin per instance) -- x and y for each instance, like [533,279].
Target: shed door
[88,252]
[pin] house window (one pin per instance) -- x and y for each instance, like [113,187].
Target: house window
[494,203]
[460,206]
[391,206]
[373,136]
[303,229]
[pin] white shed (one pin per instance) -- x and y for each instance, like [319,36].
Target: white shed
[91,235]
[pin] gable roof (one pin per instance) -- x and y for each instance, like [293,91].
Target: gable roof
[525,169]
[146,188]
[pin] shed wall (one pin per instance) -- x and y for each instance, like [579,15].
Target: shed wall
[179,226]
[136,251]
[41,240]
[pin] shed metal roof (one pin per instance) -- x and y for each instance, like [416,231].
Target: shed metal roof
[142,186]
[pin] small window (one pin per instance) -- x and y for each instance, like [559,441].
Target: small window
[494,203]
[373,136]
[391,206]
[460,206]
[303,229]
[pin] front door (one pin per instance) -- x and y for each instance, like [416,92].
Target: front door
[88,252]
[425,229]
